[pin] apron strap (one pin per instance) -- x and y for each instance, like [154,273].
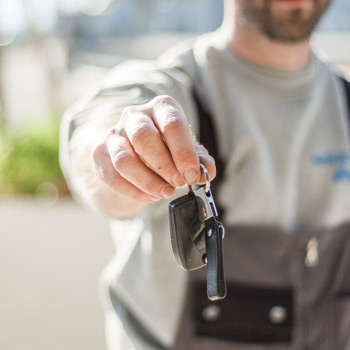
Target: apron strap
[208,138]
[347,92]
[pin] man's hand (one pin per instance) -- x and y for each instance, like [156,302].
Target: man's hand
[150,152]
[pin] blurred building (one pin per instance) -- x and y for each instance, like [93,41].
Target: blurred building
[52,50]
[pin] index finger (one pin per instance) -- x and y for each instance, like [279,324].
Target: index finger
[170,120]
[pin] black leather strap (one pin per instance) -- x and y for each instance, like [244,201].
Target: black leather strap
[347,92]
[216,285]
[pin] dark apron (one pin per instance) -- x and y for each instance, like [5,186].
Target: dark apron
[284,292]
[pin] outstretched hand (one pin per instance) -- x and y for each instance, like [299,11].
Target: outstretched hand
[150,152]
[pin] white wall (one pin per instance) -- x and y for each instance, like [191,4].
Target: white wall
[50,261]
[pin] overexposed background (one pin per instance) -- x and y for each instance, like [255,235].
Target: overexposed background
[51,51]
[50,261]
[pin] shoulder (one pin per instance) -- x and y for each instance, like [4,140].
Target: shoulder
[179,63]
[330,67]
[195,52]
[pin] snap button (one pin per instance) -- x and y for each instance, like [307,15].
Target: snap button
[211,313]
[312,258]
[277,314]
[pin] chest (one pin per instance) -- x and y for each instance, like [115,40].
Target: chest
[286,160]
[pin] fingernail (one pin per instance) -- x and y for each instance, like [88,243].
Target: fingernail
[191,175]
[167,191]
[178,181]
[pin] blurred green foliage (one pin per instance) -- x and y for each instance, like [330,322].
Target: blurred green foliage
[29,158]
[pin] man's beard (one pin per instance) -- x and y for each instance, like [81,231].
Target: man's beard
[291,25]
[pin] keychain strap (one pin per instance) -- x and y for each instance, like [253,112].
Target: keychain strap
[214,234]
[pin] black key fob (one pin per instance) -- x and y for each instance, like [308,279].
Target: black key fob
[186,215]
[196,236]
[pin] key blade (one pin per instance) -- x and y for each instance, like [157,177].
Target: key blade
[209,203]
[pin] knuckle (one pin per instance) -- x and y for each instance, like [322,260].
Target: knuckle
[141,134]
[165,100]
[167,168]
[201,149]
[129,110]
[142,197]
[98,151]
[105,174]
[173,124]
[99,156]
[150,187]
[188,157]
[167,105]
[135,194]
[112,180]
[122,160]
[115,131]
[100,172]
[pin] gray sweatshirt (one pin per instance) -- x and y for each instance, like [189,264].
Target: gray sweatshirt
[284,137]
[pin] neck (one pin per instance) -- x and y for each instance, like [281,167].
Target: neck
[264,51]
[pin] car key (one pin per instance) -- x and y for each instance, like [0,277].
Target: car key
[196,236]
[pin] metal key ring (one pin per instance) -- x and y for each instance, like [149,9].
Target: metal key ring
[207,178]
